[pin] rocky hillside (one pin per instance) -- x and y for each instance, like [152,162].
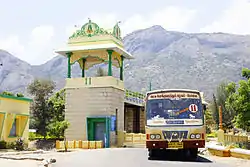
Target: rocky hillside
[169,59]
[15,74]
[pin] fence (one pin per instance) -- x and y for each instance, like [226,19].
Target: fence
[134,138]
[235,138]
[134,97]
[242,141]
[140,138]
[79,144]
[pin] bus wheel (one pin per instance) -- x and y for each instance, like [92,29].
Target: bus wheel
[149,152]
[152,153]
[193,153]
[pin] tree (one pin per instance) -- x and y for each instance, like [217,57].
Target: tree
[209,121]
[41,90]
[222,93]
[32,123]
[57,128]
[239,101]
[101,72]
[246,73]
[65,126]
[57,105]
[58,123]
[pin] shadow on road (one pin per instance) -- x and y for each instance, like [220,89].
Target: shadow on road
[180,158]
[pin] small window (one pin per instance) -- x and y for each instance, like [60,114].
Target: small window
[13,129]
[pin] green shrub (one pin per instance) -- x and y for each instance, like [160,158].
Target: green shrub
[212,135]
[19,95]
[208,130]
[3,144]
[19,144]
[32,136]
[10,145]
[7,93]
[239,145]
[35,136]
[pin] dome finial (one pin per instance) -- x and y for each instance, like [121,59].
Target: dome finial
[117,30]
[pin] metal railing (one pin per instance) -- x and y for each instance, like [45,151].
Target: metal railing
[134,97]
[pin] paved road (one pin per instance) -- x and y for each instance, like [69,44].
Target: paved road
[129,157]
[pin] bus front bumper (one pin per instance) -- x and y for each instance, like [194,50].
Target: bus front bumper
[183,145]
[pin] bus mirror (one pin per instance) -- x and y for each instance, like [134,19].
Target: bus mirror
[204,107]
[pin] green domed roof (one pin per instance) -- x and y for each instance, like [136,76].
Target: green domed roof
[92,29]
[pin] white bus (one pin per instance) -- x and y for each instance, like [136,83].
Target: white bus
[174,120]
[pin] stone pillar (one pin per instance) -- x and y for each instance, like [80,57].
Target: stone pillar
[220,117]
[69,54]
[142,120]
[220,131]
[120,138]
[110,62]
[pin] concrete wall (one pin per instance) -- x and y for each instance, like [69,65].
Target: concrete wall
[100,98]
[14,108]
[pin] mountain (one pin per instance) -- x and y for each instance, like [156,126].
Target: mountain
[169,59]
[15,74]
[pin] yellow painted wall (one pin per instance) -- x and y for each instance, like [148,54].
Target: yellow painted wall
[12,108]
[95,40]
[2,118]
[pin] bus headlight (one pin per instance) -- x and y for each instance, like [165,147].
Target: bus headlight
[192,136]
[195,136]
[152,136]
[158,136]
[155,136]
[198,136]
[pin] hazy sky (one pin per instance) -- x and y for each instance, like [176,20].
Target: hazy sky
[32,29]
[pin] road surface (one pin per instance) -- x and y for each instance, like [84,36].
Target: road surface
[124,157]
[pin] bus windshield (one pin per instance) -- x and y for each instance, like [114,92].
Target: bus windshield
[174,111]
